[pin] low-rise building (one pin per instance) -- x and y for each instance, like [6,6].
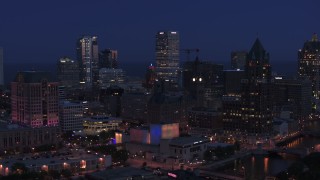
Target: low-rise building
[96,124]
[15,137]
[188,148]
[76,162]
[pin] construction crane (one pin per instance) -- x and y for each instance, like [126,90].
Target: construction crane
[188,51]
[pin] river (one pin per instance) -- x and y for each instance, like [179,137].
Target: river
[259,166]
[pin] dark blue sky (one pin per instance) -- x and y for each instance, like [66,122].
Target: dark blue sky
[42,31]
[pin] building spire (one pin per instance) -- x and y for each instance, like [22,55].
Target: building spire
[314,37]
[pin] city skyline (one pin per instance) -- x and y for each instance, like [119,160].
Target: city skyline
[215,28]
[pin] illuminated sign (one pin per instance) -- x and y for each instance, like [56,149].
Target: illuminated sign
[172,175]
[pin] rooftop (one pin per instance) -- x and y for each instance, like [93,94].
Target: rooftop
[33,77]
[181,141]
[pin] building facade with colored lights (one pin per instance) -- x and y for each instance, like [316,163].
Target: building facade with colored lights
[34,99]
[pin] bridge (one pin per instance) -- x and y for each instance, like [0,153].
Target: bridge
[302,152]
[311,133]
[224,162]
[217,175]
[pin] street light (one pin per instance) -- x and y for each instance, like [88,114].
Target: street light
[244,171]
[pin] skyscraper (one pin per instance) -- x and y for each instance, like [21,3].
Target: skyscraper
[249,113]
[1,68]
[108,59]
[294,93]
[150,77]
[34,99]
[238,60]
[68,72]
[256,93]
[167,55]
[88,58]
[309,63]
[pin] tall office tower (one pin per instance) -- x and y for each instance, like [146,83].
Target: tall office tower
[68,72]
[257,97]
[204,81]
[34,99]
[108,59]
[111,77]
[150,77]
[134,106]
[249,113]
[111,99]
[238,59]
[167,55]
[71,116]
[88,58]
[167,107]
[232,81]
[1,68]
[309,63]
[293,93]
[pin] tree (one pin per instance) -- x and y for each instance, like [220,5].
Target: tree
[120,155]
[66,173]
[54,173]
[237,145]
[207,155]
[296,169]
[19,168]
[106,135]
[312,161]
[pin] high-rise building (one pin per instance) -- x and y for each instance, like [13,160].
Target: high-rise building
[1,68]
[257,97]
[88,58]
[250,112]
[108,59]
[111,99]
[34,99]
[204,81]
[309,63]
[295,93]
[232,81]
[167,55]
[150,77]
[71,116]
[167,106]
[68,72]
[111,77]
[134,106]
[238,60]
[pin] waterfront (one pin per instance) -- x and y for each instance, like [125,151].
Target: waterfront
[257,167]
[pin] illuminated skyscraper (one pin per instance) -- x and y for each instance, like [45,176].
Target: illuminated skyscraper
[34,99]
[167,55]
[309,63]
[88,58]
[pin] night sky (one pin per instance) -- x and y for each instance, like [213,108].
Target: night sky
[43,31]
